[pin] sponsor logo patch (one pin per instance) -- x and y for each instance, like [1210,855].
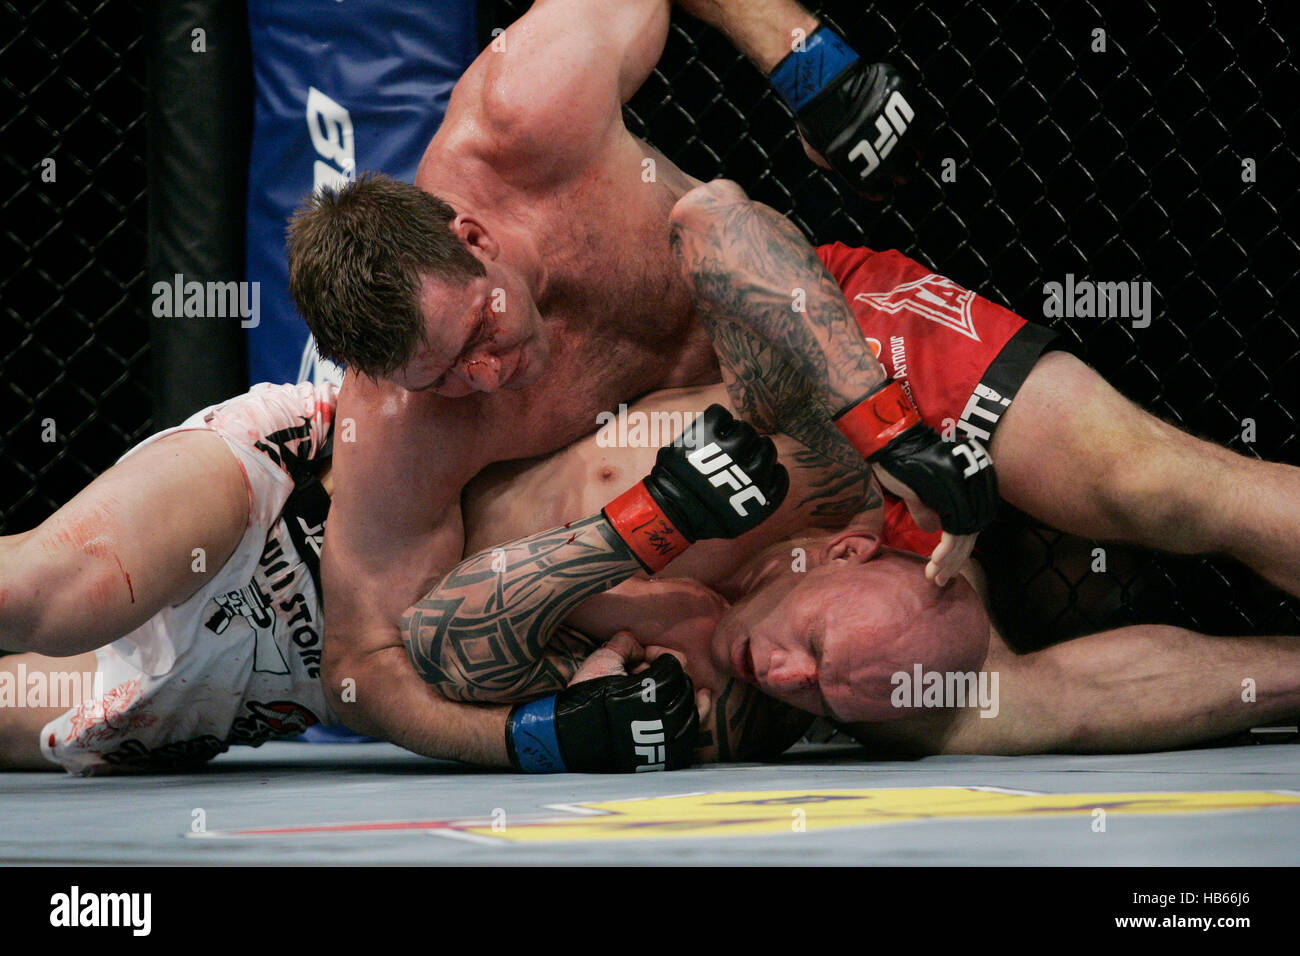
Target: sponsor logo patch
[931,297]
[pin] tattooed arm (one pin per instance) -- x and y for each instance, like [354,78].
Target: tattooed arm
[482,633]
[793,353]
[752,271]
[781,369]
[771,393]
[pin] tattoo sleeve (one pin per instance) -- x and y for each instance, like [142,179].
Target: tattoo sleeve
[751,267]
[744,262]
[490,631]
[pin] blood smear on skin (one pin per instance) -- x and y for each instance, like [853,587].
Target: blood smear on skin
[129,589]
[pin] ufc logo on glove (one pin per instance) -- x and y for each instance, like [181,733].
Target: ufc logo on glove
[649,736]
[713,461]
[890,124]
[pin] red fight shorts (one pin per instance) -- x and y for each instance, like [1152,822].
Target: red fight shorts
[959,356]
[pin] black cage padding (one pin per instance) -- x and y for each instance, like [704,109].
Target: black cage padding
[199,126]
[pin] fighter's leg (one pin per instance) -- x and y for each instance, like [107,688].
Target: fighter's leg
[1133,689]
[1073,452]
[21,726]
[146,534]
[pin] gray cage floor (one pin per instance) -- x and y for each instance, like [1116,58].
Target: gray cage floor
[353,804]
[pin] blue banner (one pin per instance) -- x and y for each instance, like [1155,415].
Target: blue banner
[341,86]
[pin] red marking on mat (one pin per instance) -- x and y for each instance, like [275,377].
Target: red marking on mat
[130,589]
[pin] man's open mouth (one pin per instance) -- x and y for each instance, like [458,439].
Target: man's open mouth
[742,662]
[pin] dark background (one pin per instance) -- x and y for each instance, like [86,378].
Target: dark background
[1122,165]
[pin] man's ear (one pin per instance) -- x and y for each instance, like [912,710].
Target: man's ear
[856,545]
[475,234]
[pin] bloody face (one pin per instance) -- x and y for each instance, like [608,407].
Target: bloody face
[481,336]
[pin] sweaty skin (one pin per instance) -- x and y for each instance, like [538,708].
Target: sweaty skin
[736,611]
[679,609]
[582,307]
[593,311]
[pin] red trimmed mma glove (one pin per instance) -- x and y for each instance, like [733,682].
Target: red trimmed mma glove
[955,478]
[855,114]
[718,480]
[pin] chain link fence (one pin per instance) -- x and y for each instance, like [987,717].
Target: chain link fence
[1130,141]
[74,347]
[1120,161]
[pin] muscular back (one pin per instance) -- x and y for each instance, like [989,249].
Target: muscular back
[534,145]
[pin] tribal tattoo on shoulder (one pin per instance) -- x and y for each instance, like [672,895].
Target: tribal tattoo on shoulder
[491,629]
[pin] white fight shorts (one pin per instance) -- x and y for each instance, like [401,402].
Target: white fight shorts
[239,661]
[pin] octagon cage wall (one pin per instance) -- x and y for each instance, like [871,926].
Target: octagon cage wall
[1160,150]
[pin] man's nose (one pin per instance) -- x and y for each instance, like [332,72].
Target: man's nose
[789,672]
[480,370]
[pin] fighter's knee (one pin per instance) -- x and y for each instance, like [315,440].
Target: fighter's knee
[705,202]
[22,624]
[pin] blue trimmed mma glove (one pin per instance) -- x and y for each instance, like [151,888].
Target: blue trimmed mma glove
[855,114]
[621,724]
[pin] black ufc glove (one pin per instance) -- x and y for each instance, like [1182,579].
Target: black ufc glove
[718,480]
[620,724]
[856,114]
[955,478]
